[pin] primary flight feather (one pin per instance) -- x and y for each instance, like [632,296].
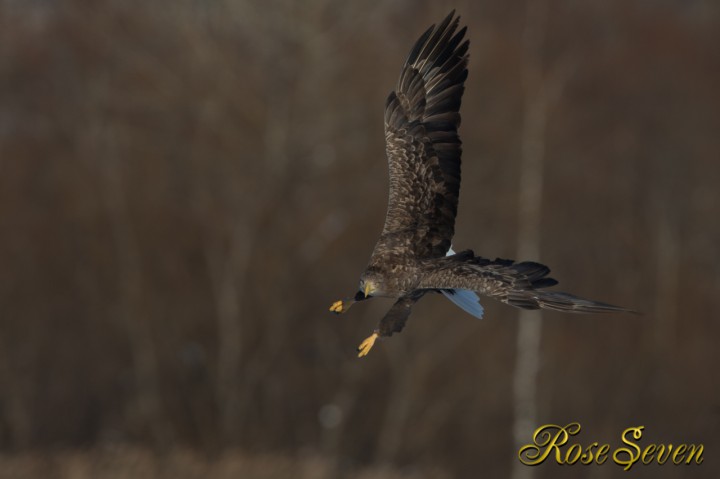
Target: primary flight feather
[413,255]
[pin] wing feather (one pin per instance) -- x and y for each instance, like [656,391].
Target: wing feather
[518,284]
[423,146]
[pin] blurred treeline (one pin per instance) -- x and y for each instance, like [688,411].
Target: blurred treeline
[185,187]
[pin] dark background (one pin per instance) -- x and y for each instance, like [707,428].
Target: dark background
[186,186]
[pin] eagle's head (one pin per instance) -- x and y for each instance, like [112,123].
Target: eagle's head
[371,284]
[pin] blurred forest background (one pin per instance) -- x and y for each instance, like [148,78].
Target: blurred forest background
[186,186]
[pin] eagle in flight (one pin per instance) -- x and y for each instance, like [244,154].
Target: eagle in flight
[414,255]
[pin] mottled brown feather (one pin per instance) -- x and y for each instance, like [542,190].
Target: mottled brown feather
[517,284]
[423,147]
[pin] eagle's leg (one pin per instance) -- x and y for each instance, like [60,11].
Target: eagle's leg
[342,305]
[392,322]
[367,344]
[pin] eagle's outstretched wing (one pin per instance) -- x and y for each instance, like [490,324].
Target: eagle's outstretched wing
[423,147]
[518,284]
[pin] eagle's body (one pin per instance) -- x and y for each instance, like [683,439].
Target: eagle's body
[413,255]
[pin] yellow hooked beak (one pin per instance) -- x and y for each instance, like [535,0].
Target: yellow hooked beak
[367,289]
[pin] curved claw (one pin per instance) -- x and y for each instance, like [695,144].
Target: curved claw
[342,305]
[367,344]
[337,307]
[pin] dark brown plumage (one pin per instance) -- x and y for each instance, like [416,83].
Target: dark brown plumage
[423,148]
[413,255]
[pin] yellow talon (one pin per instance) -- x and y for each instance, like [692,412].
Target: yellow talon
[337,307]
[367,345]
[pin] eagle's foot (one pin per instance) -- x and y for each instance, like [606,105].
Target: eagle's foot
[367,344]
[337,307]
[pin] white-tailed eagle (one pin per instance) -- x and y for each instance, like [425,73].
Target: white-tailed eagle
[413,255]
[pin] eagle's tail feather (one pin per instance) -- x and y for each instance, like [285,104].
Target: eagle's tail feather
[466,300]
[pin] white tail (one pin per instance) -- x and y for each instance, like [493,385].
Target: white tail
[465,299]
